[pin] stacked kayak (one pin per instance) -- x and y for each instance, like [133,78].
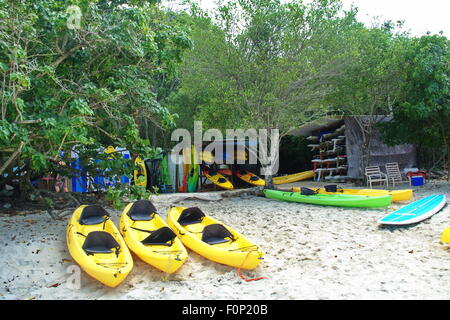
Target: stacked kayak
[250,178]
[192,180]
[416,211]
[141,172]
[213,239]
[216,178]
[150,238]
[186,161]
[397,195]
[338,200]
[97,246]
[294,177]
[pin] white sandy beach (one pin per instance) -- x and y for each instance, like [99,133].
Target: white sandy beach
[311,252]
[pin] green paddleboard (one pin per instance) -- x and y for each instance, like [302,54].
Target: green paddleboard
[192,181]
[165,170]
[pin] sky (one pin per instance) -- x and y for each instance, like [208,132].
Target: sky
[419,16]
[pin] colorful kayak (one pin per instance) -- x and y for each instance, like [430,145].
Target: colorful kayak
[338,200]
[150,238]
[110,150]
[416,211]
[192,181]
[165,175]
[216,178]
[97,246]
[213,239]
[397,195]
[225,172]
[249,177]
[140,175]
[294,177]
[186,160]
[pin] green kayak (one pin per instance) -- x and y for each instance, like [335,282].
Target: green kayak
[338,200]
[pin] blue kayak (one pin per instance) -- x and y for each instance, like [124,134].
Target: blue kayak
[416,211]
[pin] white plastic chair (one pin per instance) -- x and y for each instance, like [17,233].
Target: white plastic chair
[374,174]
[394,175]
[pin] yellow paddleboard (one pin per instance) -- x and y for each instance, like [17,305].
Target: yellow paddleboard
[294,177]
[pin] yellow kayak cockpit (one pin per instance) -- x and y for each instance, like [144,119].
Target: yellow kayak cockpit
[212,239]
[150,238]
[97,246]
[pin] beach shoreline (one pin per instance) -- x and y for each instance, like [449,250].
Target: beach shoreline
[311,252]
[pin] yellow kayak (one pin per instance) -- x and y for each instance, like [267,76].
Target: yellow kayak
[150,238]
[216,178]
[397,195]
[141,172]
[446,236]
[249,177]
[109,150]
[97,246]
[212,239]
[294,177]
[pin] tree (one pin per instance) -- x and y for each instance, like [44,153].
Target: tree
[373,82]
[90,85]
[423,116]
[264,64]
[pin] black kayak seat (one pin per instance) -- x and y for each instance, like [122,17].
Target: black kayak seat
[93,214]
[216,233]
[142,210]
[254,178]
[163,236]
[307,192]
[99,242]
[241,171]
[331,188]
[191,216]
[211,172]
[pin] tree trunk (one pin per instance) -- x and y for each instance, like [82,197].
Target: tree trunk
[269,182]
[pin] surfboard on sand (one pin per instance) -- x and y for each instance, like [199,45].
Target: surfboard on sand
[416,211]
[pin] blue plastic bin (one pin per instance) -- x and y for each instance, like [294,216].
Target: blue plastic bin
[417,181]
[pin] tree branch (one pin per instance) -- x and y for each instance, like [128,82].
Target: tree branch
[12,157]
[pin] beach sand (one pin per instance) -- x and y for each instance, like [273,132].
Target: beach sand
[311,252]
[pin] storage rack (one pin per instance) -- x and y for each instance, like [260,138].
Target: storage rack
[330,162]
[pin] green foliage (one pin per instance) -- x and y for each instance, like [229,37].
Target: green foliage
[423,116]
[119,195]
[92,86]
[374,71]
[129,65]
[261,64]
[115,197]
